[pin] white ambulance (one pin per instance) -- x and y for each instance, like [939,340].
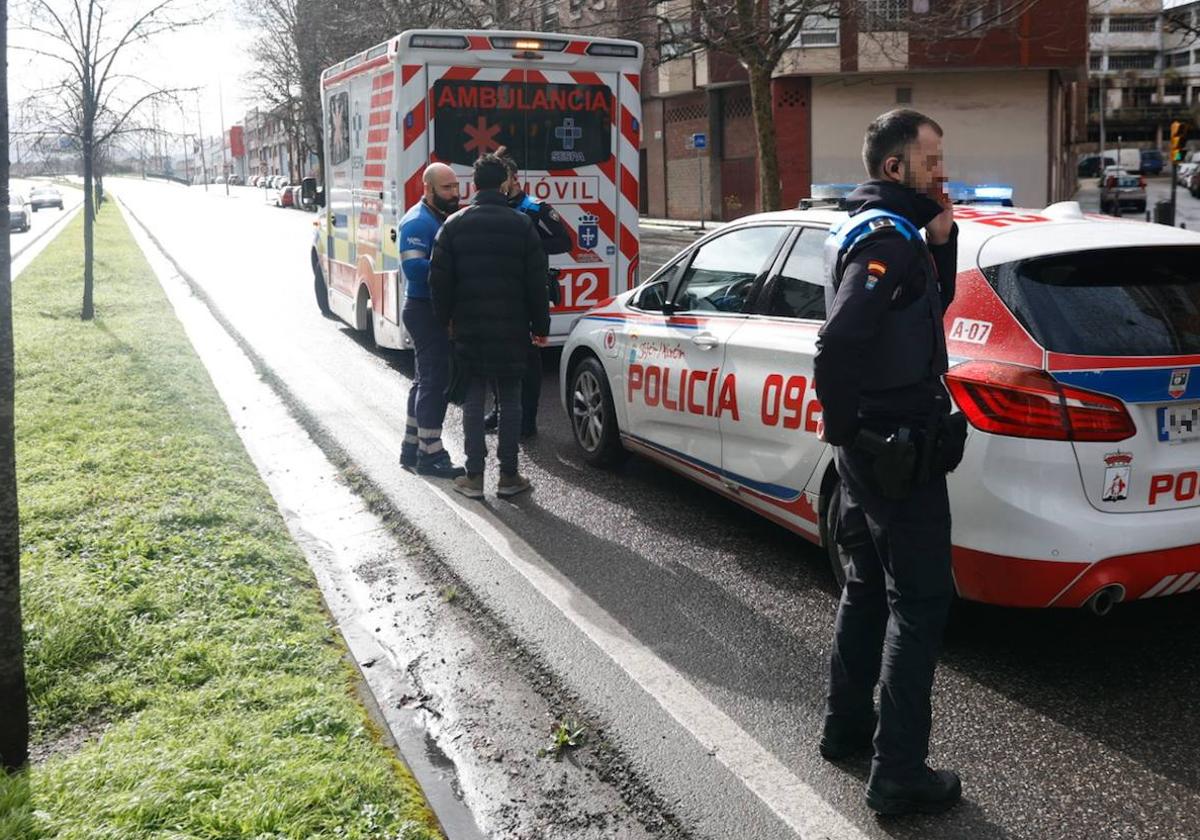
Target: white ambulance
[568,109]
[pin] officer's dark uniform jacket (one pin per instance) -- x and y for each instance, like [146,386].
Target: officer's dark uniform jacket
[546,220]
[882,349]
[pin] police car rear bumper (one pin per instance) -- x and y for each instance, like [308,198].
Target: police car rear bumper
[1026,536]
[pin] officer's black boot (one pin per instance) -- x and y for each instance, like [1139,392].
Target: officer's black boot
[844,739]
[928,792]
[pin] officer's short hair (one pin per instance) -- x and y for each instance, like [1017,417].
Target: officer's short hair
[510,164]
[889,136]
[490,172]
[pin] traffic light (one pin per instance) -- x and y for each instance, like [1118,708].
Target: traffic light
[1179,136]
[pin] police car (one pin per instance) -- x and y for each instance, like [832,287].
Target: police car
[1074,344]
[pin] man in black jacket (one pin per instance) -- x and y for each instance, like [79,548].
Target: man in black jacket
[488,278]
[555,238]
[880,357]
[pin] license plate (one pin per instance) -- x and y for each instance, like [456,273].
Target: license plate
[1177,423]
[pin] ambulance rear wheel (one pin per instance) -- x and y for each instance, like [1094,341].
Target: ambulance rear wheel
[320,287]
[593,416]
[839,560]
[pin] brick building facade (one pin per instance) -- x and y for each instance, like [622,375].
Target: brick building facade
[1009,92]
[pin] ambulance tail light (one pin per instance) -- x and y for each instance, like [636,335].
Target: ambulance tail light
[1023,402]
[1110,182]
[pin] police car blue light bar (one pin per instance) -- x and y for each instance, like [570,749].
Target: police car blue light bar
[959,192]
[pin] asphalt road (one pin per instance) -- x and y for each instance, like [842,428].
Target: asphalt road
[1062,725]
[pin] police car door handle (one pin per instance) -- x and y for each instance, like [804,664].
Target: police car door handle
[705,340]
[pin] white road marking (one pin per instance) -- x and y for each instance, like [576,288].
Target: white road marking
[795,802]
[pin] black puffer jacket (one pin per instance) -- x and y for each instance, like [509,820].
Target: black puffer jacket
[488,279]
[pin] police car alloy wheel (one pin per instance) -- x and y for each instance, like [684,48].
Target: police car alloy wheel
[593,418]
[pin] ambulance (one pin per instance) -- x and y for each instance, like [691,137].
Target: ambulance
[566,107]
[1074,343]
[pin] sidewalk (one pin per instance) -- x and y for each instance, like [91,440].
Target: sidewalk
[183,674]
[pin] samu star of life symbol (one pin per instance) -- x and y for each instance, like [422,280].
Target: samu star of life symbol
[483,137]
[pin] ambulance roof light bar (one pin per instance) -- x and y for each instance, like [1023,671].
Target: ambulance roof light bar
[614,50]
[528,44]
[439,42]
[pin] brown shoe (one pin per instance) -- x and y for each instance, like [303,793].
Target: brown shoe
[512,485]
[470,486]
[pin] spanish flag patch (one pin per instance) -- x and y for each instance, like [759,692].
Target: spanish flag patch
[879,269]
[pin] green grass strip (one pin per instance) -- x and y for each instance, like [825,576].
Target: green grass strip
[178,654]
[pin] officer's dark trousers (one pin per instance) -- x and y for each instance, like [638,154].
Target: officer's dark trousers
[892,613]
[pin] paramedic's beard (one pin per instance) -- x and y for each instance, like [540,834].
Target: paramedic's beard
[445,205]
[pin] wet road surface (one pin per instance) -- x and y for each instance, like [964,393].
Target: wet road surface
[1062,725]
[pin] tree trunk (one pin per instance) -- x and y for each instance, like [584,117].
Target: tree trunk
[89,221]
[764,128]
[14,703]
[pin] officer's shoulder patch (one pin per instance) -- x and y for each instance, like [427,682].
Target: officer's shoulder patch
[881,223]
[553,214]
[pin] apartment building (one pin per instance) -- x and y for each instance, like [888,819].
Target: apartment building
[1007,87]
[1144,66]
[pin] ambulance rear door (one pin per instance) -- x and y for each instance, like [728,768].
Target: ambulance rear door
[562,128]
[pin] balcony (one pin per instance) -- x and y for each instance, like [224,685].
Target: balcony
[1142,114]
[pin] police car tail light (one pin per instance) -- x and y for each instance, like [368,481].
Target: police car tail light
[1023,402]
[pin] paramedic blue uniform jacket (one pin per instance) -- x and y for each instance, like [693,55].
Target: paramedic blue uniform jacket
[418,229]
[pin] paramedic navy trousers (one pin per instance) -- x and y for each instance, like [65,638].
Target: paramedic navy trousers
[431,364]
[892,612]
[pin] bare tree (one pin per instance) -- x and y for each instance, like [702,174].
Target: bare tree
[14,703]
[758,33]
[94,102]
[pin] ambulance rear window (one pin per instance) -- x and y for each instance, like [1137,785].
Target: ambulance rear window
[1108,301]
[544,126]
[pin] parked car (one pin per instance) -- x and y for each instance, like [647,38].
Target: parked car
[1089,165]
[1183,171]
[283,197]
[18,213]
[1192,182]
[234,180]
[1074,348]
[1152,162]
[41,197]
[1120,190]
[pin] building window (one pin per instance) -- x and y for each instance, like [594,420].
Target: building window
[1132,61]
[1182,59]
[674,38]
[550,15]
[1140,97]
[819,31]
[1096,24]
[1096,61]
[1132,23]
[982,14]
[883,15]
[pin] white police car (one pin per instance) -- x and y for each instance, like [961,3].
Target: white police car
[1075,354]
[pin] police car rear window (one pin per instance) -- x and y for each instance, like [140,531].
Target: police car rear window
[1107,301]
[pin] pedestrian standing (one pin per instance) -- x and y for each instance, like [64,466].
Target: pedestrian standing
[552,231]
[488,277]
[422,447]
[880,357]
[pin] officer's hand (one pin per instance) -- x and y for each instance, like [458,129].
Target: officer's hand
[541,340]
[943,223]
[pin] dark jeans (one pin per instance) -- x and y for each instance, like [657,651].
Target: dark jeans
[508,390]
[531,388]
[431,362]
[892,613]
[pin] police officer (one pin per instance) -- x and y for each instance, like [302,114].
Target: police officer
[555,240]
[422,447]
[880,357]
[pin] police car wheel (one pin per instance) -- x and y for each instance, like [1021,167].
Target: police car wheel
[837,559]
[593,417]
